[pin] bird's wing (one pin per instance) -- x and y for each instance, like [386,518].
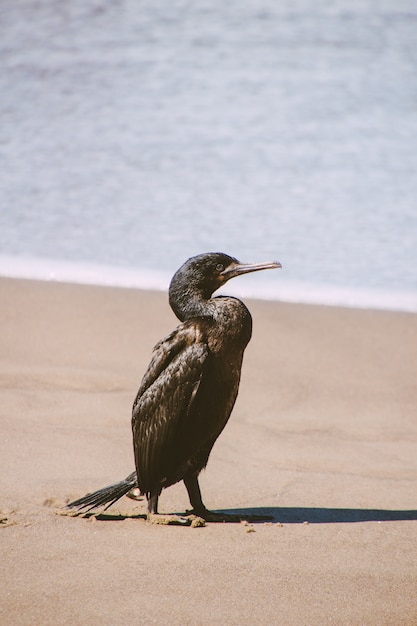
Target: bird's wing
[164,403]
[166,350]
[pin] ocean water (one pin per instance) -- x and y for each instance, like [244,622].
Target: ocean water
[137,134]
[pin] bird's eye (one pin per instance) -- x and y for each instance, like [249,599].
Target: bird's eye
[219,267]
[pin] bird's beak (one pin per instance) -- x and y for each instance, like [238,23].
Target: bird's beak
[236,269]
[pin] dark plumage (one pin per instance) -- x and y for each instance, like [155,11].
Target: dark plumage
[189,389]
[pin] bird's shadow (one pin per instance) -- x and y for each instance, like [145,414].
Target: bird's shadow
[293,515]
[321,515]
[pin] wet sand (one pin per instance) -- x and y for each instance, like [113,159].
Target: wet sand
[322,438]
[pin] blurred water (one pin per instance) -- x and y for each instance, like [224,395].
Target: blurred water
[136,134]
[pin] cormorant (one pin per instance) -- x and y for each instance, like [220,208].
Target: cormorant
[189,389]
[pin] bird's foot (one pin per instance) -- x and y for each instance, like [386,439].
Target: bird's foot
[176,520]
[211,516]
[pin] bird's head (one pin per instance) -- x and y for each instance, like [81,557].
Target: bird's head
[199,277]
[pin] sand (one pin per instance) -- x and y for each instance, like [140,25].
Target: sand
[322,438]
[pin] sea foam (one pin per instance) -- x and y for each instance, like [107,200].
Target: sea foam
[264,288]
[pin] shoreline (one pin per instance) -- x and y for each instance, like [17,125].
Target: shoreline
[323,437]
[281,290]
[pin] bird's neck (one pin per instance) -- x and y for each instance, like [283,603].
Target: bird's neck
[191,303]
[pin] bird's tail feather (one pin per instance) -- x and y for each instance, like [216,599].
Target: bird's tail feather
[107,495]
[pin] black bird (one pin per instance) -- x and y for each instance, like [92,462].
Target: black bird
[189,389]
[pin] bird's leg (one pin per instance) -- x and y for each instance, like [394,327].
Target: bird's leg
[155,518]
[199,509]
[153,503]
[194,493]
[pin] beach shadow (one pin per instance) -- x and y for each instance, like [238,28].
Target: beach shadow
[103,516]
[321,515]
[286,515]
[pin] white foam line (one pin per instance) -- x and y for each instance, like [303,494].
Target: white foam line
[85,273]
[306,293]
[303,293]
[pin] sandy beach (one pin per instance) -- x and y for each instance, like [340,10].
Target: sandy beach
[323,439]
